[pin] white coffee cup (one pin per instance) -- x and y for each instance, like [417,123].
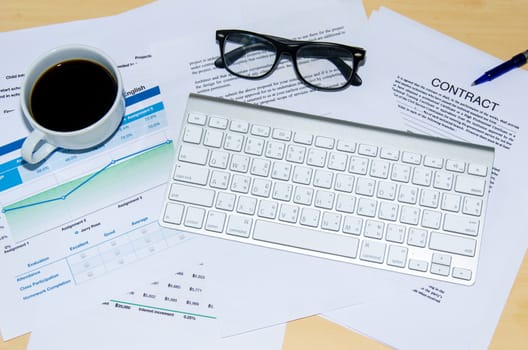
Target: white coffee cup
[93,128]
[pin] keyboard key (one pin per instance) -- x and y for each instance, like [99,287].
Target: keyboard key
[389,153]
[443,180]
[196,118]
[233,142]
[190,173]
[461,273]
[345,203]
[409,215]
[352,225]
[303,195]
[254,146]
[193,154]
[470,185]
[374,229]
[302,175]
[303,138]
[281,134]
[472,206]
[379,169]
[239,126]
[240,183]
[267,209]
[300,237]
[219,159]
[368,150]
[316,157]
[397,256]
[310,217]
[452,244]
[281,171]
[346,146]
[450,202]
[239,226]
[260,167]
[246,205]
[411,158]
[358,165]
[324,142]
[324,199]
[400,172]
[295,154]
[477,169]
[192,134]
[365,186]
[219,179]
[372,251]
[388,211]
[431,219]
[461,224]
[282,191]
[261,188]
[386,190]
[337,161]
[194,217]
[275,150]
[331,221]
[429,198]
[442,259]
[173,213]
[213,138]
[218,123]
[323,178]
[422,176]
[418,265]
[344,183]
[260,130]
[417,237]
[395,233]
[215,221]
[433,162]
[288,213]
[191,195]
[367,207]
[225,201]
[455,165]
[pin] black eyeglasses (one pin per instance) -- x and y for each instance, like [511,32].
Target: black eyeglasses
[320,65]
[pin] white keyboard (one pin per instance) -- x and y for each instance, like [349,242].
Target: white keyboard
[332,189]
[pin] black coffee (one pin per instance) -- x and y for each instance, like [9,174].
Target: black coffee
[72,95]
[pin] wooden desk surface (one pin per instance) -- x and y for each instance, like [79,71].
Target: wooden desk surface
[497,27]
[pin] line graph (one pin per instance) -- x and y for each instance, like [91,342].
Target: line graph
[85,181]
[132,173]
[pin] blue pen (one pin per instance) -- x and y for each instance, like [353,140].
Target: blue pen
[516,61]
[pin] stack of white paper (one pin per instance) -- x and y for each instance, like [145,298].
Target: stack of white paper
[201,293]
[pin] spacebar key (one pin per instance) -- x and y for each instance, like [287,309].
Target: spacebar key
[300,237]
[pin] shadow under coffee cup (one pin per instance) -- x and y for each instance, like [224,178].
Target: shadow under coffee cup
[73,97]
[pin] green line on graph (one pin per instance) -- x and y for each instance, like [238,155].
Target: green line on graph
[162,309]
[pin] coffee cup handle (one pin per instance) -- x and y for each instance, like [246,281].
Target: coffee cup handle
[35,148]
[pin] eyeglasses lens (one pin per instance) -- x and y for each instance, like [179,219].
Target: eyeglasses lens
[325,67]
[248,55]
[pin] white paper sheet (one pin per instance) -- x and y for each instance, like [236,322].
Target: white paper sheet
[178,310]
[425,64]
[20,256]
[262,294]
[174,311]
[125,38]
